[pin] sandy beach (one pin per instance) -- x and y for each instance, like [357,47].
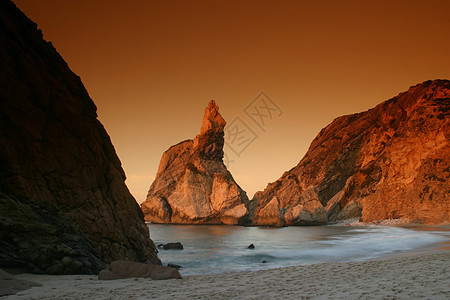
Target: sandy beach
[406,277]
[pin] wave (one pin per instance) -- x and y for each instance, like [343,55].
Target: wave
[214,254]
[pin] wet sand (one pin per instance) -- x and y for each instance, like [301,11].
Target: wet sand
[415,276]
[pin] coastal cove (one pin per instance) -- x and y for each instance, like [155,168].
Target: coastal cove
[361,206]
[217,249]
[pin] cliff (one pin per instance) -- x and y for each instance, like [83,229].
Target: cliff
[64,205]
[391,162]
[192,185]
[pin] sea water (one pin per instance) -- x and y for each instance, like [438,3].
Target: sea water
[215,249]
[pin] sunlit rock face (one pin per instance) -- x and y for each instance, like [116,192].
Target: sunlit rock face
[192,185]
[64,206]
[390,162]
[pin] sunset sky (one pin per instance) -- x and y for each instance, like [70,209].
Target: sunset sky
[151,67]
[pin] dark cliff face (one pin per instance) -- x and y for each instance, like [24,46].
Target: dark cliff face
[390,162]
[192,185]
[64,205]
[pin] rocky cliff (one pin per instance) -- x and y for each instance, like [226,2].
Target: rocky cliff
[192,185]
[391,162]
[64,206]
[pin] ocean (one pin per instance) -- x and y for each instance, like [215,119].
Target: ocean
[215,249]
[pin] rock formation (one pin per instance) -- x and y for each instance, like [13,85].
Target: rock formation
[171,246]
[390,162]
[64,206]
[192,185]
[128,269]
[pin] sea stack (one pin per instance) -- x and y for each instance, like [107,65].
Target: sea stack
[390,162]
[193,185]
[64,206]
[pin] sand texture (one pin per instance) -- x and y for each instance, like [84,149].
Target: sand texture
[407,277]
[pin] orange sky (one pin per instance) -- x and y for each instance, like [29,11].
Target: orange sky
[151,67]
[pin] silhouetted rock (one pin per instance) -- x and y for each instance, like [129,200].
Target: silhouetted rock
[390,162]
[171,246]
[64,206]
[192,185]
[127,269]
[251,246]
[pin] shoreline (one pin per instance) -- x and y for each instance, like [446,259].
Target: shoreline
[415,275]
[349,222]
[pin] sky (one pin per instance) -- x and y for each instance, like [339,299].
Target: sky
[280,71]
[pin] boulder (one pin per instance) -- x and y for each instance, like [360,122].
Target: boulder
[127,269]
[171,246]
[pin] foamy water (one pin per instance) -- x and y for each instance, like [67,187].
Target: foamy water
[218,249]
